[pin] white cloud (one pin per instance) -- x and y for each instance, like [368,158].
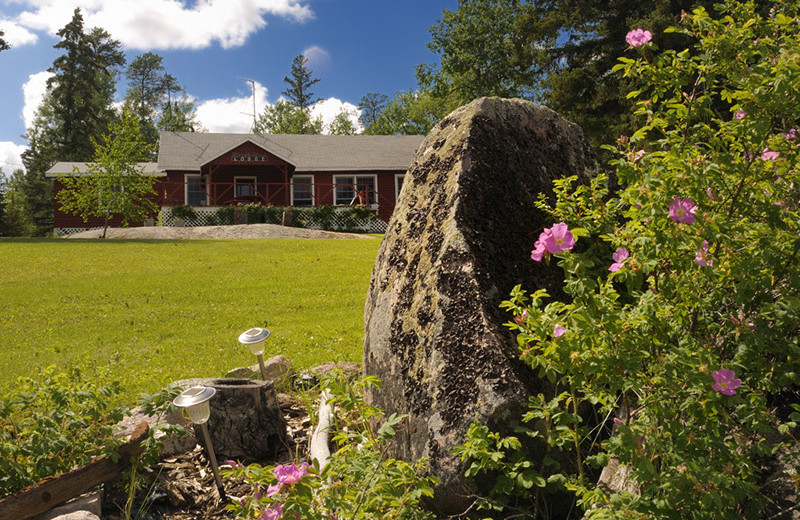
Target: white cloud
[329,108]
[33,91]
[167,24]
[231,115]
[16,35]
[11,156]
[317,57]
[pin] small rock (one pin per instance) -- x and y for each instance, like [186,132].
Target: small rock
[173,444]
[347,368]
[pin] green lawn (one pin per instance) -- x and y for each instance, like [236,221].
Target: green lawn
[156,311]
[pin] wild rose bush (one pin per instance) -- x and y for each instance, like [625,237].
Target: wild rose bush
[680,329]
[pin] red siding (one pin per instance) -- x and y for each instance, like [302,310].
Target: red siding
[66,220]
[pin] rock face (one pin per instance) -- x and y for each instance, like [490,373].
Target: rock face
[459,240]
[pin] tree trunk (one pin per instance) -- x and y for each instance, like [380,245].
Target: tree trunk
[246,423]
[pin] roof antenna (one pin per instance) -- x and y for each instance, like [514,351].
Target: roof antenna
[253,83]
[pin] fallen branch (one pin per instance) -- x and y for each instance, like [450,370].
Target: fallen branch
[318,446]
[53,491]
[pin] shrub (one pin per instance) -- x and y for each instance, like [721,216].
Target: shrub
[186,213]
[52,423]
[681,324]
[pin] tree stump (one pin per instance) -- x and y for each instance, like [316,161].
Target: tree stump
[246,423]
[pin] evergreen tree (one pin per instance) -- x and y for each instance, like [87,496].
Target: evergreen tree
[178,112]
[300,81]
[146,91]
[3,43]
[83,87]
[371,105]
[15,220]
[179,116]
[76,109]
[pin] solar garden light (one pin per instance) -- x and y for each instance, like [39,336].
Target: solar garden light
[254,339]
[195,401]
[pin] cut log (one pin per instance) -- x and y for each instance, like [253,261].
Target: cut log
[318,448]
[246,423]
[54,491]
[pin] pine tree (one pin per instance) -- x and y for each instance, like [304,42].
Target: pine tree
[146,90]
[300,81]
[371,105]
[83,87]
[76,109]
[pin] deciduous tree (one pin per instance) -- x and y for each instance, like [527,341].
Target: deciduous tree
[413,112]
[342,124]
[114,183]
[3,43]
[479,46]
[286,118]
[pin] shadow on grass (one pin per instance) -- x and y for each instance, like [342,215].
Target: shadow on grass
[51,240]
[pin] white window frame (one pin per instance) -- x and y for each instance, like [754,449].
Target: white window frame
[313,191]
[186,178]
[353,179]
[399,179]
[252,184]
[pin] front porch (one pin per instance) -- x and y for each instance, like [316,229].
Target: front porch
[302,191]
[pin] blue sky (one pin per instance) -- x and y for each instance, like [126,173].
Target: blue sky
[353,46]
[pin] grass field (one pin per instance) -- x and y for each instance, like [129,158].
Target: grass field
[151,312]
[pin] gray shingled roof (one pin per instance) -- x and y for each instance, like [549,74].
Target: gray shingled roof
[71,168]
[191,150]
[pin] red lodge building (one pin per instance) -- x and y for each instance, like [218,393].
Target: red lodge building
[209,171]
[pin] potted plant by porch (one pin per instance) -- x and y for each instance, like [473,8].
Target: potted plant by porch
[240,215]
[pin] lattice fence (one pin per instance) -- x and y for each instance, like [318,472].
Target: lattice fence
[202,216]
[357,219]
[69,230]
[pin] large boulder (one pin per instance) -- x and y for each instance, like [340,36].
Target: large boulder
[459,240]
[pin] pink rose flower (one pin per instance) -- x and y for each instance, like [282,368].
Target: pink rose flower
[553,240]
[273,512]
[638,37]
[619,258]
[740,114]
[560,239]
[702,256]
[682,210]
[769,155]
[725,381]
[289,474]
[559,331]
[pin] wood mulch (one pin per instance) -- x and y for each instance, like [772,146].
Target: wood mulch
[183,487]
